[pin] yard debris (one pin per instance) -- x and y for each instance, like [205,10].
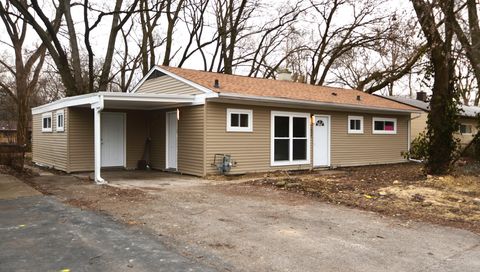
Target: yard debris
[401,190]
[418,198]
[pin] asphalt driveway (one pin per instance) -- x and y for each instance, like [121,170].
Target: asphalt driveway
[39,233]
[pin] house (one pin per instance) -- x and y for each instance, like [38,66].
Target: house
[8,132]
[189,116]
[468,117]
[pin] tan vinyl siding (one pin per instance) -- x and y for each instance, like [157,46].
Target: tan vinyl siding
[82,142]
[251,150]
[50,148]
[418,124]
[166,85]
[137,123]
[465,139]
[81,156]
[367,148]
[191,140]
[157,134]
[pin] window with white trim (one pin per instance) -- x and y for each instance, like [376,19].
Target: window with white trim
[60,117]
[355,124]
[239,120]
[384,125]
[290,138]
[47,122]
[465,129]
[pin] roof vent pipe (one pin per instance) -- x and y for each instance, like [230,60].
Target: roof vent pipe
[216,84]
[359,98]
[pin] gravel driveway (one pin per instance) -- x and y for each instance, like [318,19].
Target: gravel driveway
[252,228]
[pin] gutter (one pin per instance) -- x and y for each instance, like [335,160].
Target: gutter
[311,103]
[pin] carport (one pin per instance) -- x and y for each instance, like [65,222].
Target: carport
[116,104]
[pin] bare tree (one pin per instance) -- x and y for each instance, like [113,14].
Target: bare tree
[68,63]
[27,66]
[441,119]
[232,17]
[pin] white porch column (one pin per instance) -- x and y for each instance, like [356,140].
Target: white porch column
[97,109]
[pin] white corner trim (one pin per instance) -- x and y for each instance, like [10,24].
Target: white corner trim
[249,128]
[394,120]
[47,115]
[290,161]
[352,117]
[175,76]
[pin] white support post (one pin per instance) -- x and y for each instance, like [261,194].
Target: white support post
[97,109]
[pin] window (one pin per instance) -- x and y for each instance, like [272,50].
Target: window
[290,138]
[47,122]
[60,120]
[239,120]
[355,124]
[465,129]
[384,125]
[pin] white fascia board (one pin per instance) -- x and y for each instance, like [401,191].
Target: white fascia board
[84,99]
[111,96]
[175,76]
[310,103]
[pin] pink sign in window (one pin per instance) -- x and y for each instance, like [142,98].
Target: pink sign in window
[389,126]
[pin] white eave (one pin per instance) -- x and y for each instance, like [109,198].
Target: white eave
[122,101]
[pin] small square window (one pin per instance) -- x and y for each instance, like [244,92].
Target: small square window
[60,121]
[239,120]
[465,129]
[47,122]
[384,125]
[355,124]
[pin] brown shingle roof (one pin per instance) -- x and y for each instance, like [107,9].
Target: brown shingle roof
[242,85]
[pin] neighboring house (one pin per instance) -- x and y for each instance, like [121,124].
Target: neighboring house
[191,115]
[468,117]
[8,132]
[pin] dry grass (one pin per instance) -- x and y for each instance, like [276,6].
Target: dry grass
[400,190]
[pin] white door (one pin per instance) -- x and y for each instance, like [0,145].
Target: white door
[171,140]
[113,139]
[321,141]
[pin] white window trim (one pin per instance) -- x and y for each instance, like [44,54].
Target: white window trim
[466,133]
[352,117]
[394,120]
[58,113]
[47,115]
[272,138]
[239,129]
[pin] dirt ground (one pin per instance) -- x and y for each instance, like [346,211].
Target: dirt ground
[275,222]
[400,190]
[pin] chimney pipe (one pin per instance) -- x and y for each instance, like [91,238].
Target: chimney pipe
[422,96]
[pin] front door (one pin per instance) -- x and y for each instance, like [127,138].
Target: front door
[171,140]
[113,139]
[321,141]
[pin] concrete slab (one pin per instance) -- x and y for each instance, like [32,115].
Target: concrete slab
[11,188]
[41,234]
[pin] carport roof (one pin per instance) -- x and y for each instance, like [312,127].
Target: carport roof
[116,100]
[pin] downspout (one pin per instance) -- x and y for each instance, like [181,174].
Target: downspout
[97,109]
